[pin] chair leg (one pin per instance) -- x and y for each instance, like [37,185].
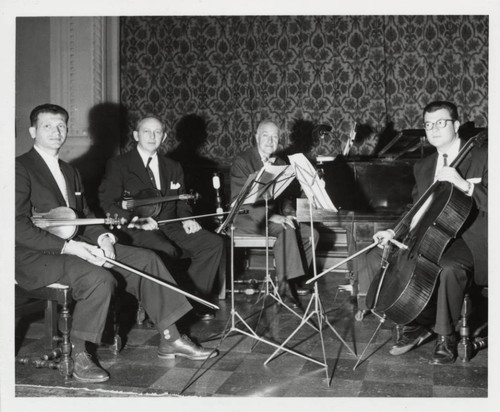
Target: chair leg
[50,324]
[66,363]
[464,347]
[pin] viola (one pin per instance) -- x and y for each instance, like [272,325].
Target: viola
[148,202]
[408,276]
[63,221]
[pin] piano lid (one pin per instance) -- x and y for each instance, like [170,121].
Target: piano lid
[410,143]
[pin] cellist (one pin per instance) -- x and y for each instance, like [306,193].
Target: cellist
[466,256]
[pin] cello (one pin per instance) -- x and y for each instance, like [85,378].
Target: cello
[408,276]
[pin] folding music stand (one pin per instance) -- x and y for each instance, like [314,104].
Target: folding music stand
[309,181]
[265,190]
[271,187]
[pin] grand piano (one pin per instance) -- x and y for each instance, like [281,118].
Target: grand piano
[371,195]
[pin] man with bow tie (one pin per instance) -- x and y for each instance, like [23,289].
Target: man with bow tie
[143,168]
[292,250]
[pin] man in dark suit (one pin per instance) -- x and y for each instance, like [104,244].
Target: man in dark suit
[467,253]
[292,250]
[143,168]
[44,182]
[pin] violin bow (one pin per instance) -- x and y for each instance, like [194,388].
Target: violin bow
[98,253]
[179,219]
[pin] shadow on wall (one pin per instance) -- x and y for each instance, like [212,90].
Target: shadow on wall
[107,125]
[191,133]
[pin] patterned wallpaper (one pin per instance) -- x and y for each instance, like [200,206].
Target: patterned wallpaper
[233,71]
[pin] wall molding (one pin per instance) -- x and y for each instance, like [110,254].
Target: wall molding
[82,51]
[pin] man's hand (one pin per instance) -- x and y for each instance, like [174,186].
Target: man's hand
[143,223]
[383,237]
[191,226]
[449,174]
[108,248]
[283,221]
[84,251]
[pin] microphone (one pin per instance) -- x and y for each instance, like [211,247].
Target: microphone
[216,181]
[218,198]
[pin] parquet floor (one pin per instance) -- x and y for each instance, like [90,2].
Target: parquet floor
[240,370]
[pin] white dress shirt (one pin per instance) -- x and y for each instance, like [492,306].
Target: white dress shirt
[53,164]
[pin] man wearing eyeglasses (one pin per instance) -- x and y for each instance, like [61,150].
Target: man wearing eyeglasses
[464,255]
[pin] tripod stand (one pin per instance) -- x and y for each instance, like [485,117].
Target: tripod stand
[269,287]
[315,307]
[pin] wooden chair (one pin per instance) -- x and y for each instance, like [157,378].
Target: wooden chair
[53,295]
[58,346]
[241,241]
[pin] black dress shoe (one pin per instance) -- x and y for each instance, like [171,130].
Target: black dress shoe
[206,316]
[300,287]
[186,348]
[304,290]
[445,350]
[291,301]
[85,370]
[408,338]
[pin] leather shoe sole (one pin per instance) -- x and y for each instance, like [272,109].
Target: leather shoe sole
[397,350]
[209,355]
[90,380]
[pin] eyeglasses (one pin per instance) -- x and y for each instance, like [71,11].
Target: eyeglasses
[441,124]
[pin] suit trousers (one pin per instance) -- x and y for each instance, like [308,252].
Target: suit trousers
[203,248]
[93,287]
[443,311]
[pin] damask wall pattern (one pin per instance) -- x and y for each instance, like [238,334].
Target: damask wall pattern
[378,71]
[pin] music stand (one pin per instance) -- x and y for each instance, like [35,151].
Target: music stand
[309,181]
[265,190]
[271,187]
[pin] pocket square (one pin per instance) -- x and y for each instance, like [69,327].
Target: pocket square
[174,186]
[474,180]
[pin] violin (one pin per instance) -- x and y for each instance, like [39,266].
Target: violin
[148,202]
[63,221]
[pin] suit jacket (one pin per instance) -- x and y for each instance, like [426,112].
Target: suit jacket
[127,172]
[37,189]
[475,230]
[243,166]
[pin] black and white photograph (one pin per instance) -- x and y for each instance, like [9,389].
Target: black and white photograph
[221,206]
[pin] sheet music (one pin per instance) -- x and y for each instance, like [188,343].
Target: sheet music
[311,184]
[271,180]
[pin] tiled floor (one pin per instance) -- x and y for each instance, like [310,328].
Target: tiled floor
[240,370]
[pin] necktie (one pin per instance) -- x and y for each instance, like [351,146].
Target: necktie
[445,159]
[150,173]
